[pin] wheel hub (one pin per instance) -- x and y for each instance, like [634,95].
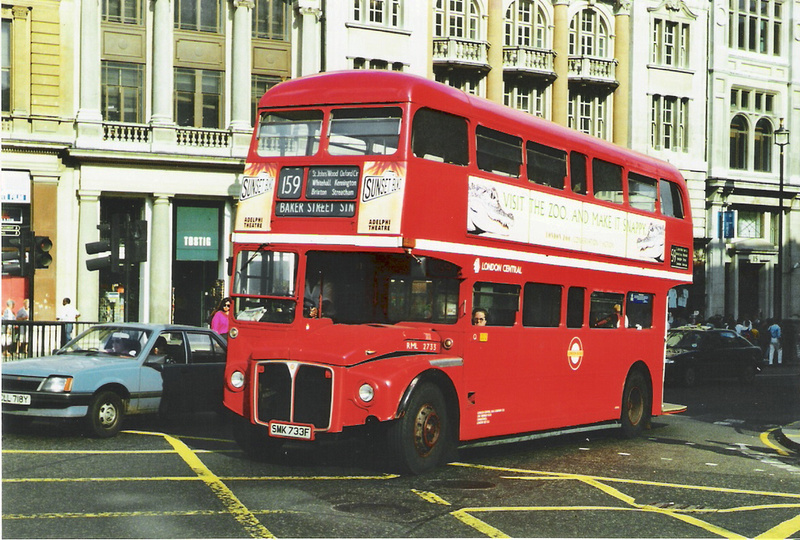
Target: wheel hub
[427,430]
[107,414]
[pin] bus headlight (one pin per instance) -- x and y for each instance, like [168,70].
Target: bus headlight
[237,380]
[366,392]
[56,383]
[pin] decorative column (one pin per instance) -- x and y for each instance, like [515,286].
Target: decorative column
[242,64]
[163,78]
[160,261]
[310,14]
[560,96]
[89,117]
[622,53]
[88,293]
[21,47]
[495,31]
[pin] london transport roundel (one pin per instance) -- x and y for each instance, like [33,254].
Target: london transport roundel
[575,353]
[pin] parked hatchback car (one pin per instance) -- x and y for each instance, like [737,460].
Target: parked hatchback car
[699,353]
[113,370]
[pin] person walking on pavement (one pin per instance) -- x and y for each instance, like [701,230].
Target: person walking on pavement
[775,343]
[23,314]
[69,315]
[9,342]
[219,319]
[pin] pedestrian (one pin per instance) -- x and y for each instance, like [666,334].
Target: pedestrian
[8,329]
[775,343]
[23,315]
[219,318]
[69,315]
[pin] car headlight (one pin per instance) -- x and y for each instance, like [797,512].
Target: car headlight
[56,383]
[237,380]
[366,392]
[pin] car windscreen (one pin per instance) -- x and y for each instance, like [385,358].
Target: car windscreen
[109,340]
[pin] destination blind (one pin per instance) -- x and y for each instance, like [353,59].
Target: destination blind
[330,191]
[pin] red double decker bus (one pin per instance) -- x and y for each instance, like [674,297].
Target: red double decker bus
[449,271]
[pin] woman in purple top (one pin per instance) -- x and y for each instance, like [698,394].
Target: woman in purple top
[219,320]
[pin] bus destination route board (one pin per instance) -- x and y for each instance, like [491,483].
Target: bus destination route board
[330,191]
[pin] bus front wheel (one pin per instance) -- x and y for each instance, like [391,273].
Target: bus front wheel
[636,404]
[420,439]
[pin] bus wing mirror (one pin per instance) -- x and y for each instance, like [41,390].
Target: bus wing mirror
[229,260]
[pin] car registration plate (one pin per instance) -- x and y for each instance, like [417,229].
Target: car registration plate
[291,431]
[17,399]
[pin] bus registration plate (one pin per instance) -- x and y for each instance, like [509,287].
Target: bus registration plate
[17,399]
[291,431]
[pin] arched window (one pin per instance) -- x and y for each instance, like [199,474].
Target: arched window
[738,159]
[457,19]
[763,146]
[526,25]
[588,34]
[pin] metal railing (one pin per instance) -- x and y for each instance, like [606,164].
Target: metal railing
[29,339]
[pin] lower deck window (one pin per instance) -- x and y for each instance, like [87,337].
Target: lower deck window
[500,301]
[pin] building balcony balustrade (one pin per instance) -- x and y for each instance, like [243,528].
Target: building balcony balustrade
[127,136]
[529,60]
[587,69]
[461,52]
[208,142]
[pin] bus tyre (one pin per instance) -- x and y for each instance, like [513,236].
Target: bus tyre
[105,415]
[420,439]
[253,440]
[636,404]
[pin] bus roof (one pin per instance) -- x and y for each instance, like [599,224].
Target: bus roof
[377,86]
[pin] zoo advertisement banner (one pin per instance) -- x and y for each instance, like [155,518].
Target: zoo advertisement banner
[498,210]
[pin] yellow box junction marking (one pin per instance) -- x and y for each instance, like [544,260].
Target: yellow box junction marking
[785,529]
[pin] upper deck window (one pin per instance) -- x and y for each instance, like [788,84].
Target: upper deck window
[364,132]
[642,192]
[546,165]
[289,133]
[498,152]
[607,181]
[671,199]
[439,136]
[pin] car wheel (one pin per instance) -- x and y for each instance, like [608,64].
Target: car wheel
[105,415]
[636,404]
[690,377]
[420,439]
[748,374]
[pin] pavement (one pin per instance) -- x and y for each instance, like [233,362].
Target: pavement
[789,434]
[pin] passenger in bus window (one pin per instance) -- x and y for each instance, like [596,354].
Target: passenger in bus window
[479,317]
[614,320]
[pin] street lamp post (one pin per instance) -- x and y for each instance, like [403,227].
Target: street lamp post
[781,139]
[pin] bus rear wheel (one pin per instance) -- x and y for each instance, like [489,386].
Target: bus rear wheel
[420,440]
[636,404]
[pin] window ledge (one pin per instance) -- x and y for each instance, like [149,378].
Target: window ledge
[673,69]
[378,28]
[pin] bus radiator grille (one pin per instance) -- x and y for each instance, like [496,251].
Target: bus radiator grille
[312,389]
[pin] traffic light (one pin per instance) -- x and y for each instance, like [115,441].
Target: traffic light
[15,254]
[110,246]
[136,241]
[41,252]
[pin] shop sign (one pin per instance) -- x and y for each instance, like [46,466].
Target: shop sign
[197,234]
